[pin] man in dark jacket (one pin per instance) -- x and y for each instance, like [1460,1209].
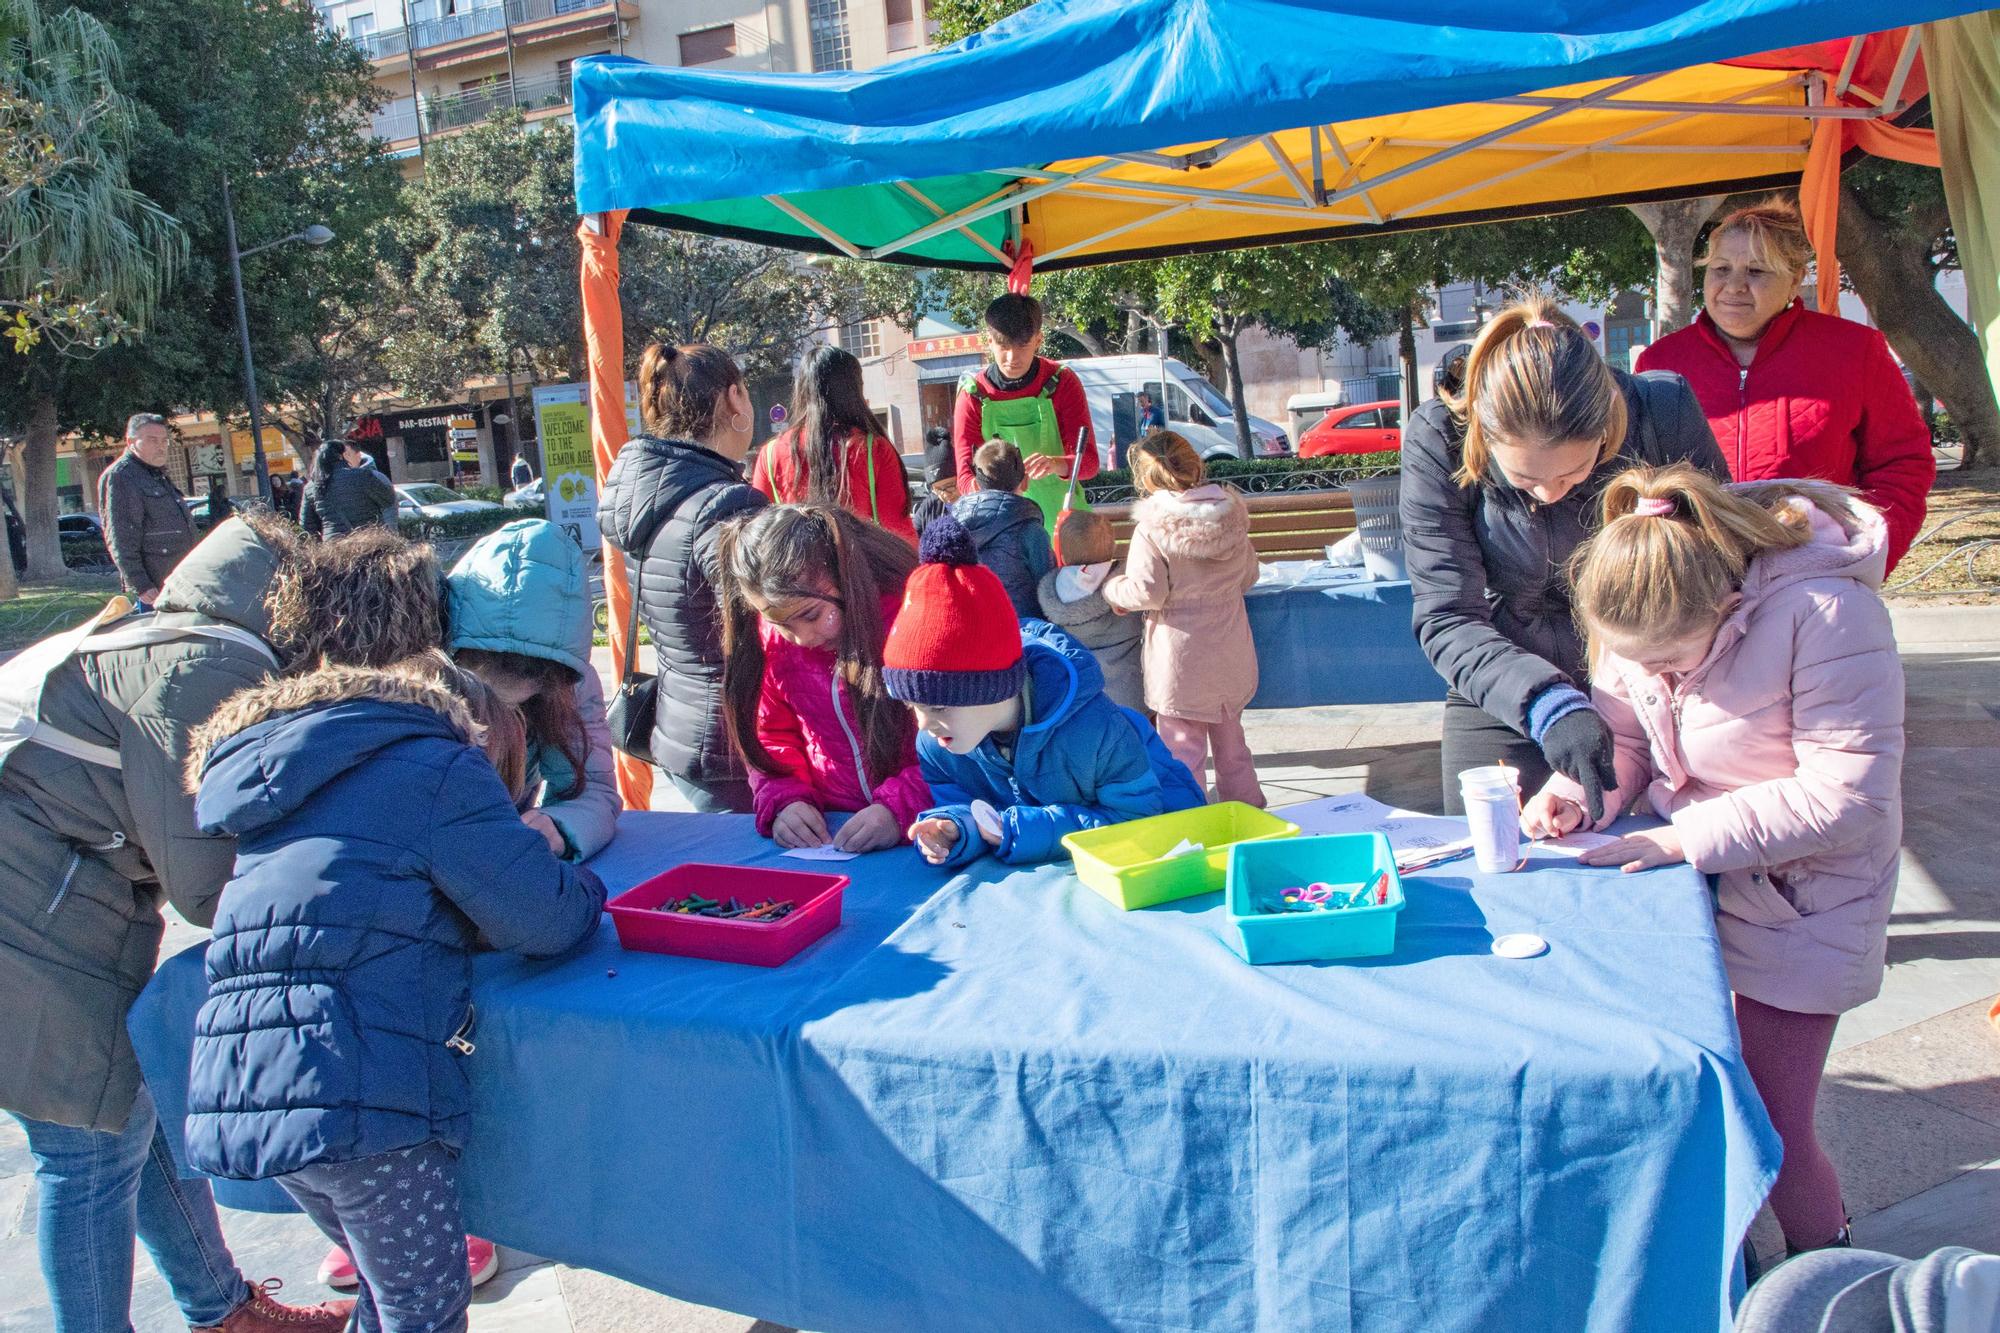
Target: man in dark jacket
[1488,564]
[146,523]
[662,505]
[93,850]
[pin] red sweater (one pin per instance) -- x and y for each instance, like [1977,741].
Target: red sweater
[1072,415]
[1822,398]
[776,475]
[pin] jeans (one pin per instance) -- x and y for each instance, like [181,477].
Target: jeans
[97,1190]
[1474,738]
[397,1216]
[727,796]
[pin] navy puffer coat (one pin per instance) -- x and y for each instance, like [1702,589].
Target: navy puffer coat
[374,844]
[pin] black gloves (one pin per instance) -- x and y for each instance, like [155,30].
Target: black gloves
[1578,746]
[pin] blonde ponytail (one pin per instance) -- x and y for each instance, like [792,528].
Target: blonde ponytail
[1676,543]
[1534,379]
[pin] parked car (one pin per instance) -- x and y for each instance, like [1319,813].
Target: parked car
[530,496]
[82,538]
[1358,428]
[427,499]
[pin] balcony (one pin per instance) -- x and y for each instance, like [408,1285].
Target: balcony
[442,115]
[429,29]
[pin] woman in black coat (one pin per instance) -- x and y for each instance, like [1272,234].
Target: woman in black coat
[664,500]
[346,492]
[1500,486]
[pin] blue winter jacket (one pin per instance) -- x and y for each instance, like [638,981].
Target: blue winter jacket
[1080,761]
[374,845]
[1013,542]
[525,589]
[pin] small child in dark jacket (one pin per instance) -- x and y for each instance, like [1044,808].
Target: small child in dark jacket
[1013,715]
[940,491]
[1085,552]
[376,844]
[1006,525]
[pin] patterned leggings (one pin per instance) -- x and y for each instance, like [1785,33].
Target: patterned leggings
[397,1214]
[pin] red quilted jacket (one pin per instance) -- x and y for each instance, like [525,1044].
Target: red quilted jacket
[1823,398]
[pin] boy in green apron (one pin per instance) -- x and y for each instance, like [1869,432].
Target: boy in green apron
[1034,403]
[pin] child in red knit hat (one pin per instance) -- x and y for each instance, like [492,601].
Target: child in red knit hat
[1013,715]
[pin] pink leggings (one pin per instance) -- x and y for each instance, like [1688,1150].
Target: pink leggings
[1786,1053]
[1235,769]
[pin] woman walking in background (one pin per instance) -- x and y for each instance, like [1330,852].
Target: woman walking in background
[1790,392]
[836,453]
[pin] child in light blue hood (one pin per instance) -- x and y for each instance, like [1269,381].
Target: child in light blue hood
[519,607]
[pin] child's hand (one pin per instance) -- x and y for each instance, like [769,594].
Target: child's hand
[545,826]
[799,824]
[1043,465]
[1547,815]
[934,838]
[1639,851]
[869,831]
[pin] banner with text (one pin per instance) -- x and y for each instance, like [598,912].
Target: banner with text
[569,470]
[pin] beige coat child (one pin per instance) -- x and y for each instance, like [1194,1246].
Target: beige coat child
[1189,565]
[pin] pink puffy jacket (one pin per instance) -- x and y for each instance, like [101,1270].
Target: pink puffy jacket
[807,721]
[1779,761]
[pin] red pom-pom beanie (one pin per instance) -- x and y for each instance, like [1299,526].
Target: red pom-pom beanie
[956,641]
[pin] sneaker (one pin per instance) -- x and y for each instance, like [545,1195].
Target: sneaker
[262,1314]
[338,1270]
[482,1259]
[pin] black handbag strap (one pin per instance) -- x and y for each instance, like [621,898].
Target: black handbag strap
[632,622]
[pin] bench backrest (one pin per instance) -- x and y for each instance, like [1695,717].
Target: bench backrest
[1292,525]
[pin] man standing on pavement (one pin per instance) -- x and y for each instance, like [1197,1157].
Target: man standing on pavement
[146,524]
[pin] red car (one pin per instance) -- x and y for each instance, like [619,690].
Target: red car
[1358,428]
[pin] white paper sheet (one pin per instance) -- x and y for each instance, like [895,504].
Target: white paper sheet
[1406,830]
[826,853]
[1573,844]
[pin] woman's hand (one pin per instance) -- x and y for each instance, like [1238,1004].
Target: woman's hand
[1578,746]
[869,831]
[545,826]
[1547,815]
[799,824]
[1639,851]
[934,838]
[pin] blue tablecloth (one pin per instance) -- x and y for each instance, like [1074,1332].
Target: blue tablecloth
[1344,644]
[992,1101]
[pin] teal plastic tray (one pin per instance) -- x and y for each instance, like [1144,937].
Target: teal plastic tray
[1262,869]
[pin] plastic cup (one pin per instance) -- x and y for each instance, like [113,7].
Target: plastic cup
[1493,816]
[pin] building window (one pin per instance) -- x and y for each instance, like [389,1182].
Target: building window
[830,47]
[361,25]
[708,45]
[864,339]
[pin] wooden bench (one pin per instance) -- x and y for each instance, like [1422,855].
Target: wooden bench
[1290,525]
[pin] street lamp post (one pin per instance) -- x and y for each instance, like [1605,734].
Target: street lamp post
[313,235]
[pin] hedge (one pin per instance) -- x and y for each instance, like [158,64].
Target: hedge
[1262,475]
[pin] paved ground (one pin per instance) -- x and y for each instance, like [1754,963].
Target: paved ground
[1911,1110]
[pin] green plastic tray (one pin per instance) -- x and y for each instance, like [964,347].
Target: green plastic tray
[1127,865]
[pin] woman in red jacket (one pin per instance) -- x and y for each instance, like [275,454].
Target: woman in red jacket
[836,452]
[1793,393]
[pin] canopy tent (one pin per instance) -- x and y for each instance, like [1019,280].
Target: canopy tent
[1091,131]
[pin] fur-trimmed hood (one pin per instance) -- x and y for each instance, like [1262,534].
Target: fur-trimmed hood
[269,748]
[1204,523]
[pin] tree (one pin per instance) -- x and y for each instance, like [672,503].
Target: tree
[1674,227]
[1895,238]
[84,256]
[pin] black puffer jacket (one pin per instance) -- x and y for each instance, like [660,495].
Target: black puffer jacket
[350,498]
[663,502]
[1488,566]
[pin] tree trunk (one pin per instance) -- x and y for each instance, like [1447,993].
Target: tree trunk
[1406,357]
[1091,342]
[1891,273]
[1674,227]
[38,489]
[1238,404]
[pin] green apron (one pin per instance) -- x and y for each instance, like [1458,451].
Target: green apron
[1029,424]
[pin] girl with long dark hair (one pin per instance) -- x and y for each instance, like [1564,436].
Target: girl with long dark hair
[836,452]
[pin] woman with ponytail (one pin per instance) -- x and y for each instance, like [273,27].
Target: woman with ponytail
[1747,669]
[836,452]
[1500,486]
[808,595]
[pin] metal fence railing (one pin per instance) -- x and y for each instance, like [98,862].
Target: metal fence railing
[474,21]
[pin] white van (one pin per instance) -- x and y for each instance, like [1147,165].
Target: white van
[1195,408]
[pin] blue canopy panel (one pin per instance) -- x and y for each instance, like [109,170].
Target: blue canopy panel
[1177,125]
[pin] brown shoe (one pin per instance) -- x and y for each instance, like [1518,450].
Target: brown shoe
[261,1314]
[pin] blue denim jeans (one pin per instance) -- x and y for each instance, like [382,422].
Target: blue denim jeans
[397,1216]
[99,1189]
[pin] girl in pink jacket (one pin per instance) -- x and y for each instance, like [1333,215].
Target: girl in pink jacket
[1188,567]
[807,594]
[1748,673]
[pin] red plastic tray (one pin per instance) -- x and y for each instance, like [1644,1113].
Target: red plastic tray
[720,938]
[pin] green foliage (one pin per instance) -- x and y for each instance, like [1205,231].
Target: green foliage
[958,19]
[84,256]
[456,527]
[1262,475]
